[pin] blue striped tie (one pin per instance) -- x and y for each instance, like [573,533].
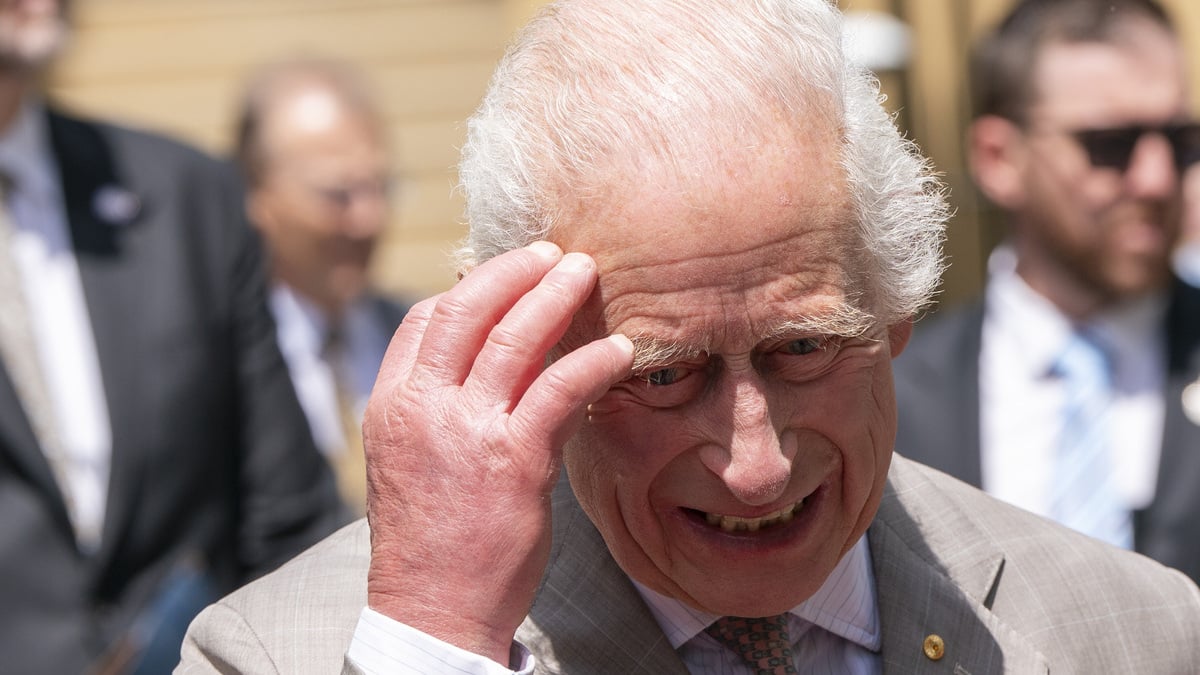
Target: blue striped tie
[1084,496]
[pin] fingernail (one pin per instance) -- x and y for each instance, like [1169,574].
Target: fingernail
[545,249]
[623,342]
[575,262]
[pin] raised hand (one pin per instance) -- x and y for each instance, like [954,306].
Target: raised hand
[463,435]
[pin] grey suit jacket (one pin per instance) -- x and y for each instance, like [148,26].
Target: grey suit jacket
[937,392]
[1007,591]
[214,477]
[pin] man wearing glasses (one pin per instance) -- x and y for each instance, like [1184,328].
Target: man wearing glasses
[313,148]
[1063,389]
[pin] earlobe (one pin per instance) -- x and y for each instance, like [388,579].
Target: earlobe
[898,335]
[996,152]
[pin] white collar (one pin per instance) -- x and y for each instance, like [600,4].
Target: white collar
[1036,327]
[844,605]
[304,328]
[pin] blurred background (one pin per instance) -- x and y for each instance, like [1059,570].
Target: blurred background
[177,66]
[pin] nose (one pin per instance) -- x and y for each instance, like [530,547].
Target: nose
[1152,173]
[365,215]
[756,464]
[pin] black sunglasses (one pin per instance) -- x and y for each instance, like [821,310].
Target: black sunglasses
[1113,148]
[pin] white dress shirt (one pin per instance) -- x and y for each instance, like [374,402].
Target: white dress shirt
[303,331]
[1020,400]
[834,631]
[46,264]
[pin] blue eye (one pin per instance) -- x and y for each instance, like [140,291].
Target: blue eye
[663,377]
[802,346]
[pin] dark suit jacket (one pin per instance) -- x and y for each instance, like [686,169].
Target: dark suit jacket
[213,468]
[388,311]
[1008,592]
[937,390]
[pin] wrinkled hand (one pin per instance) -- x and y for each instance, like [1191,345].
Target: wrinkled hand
[463,435]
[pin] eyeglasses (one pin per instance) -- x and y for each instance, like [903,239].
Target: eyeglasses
[1113,148]
[342,196]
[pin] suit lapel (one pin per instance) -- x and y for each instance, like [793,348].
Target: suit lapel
[1176,499]
[936,574]
[587,616]
[1179,463]
[19,449]
[112,281]
[937,390]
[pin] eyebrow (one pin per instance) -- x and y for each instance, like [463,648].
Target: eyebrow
[846,321]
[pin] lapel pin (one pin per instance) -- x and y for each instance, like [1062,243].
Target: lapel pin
[115,205]
[934,647]
[1191,402]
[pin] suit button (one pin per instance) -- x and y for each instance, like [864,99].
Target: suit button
[934,647]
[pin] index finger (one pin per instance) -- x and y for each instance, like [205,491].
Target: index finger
[463,317]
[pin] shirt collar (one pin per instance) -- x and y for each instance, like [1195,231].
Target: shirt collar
[303,326]
[1037,329]
[25,151]
[844,605]
[307,327]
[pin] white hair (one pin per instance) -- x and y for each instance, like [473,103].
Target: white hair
[591,88]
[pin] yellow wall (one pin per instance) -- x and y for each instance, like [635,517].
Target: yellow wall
[176,65]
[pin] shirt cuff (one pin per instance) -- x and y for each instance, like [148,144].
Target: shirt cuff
[383,646]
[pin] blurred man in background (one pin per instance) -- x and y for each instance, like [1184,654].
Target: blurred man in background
[152,451]
[1062,389]
[314,151]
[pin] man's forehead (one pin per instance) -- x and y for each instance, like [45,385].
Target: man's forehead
[648,210]
[1140,79]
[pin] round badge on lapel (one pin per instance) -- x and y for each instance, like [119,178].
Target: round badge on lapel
[1191,402]
[114,205]
[934,647]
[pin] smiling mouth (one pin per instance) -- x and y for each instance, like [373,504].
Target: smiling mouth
[739,524]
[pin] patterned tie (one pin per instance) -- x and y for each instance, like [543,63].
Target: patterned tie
[1084,496]
[349,463]
[763,643]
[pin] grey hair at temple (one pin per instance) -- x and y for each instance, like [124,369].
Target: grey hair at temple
[591,92]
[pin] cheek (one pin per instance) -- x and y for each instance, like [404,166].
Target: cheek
[615,459]
[620,447]
[858,416]
[1066,192]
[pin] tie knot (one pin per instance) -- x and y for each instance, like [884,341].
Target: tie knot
[762,642]
[334,340]
[1085,357]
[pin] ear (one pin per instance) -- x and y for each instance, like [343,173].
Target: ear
[898,335]
[996,154]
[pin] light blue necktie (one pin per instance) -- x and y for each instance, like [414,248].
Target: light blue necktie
[1084,494]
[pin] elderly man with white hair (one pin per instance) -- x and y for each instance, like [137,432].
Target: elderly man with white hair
[650,430]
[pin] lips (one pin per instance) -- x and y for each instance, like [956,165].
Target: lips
[740,524]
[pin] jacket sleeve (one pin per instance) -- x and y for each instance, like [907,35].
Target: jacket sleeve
[288,495]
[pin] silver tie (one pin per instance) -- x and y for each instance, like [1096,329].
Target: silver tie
[1085,495]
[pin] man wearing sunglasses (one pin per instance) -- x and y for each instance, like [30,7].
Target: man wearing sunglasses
[1062,389]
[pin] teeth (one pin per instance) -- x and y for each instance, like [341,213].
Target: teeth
[738,524]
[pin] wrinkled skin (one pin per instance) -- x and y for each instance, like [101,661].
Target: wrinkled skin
[761,380]
[462,434]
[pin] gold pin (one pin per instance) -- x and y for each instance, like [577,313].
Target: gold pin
[935,647]
[1191,402]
